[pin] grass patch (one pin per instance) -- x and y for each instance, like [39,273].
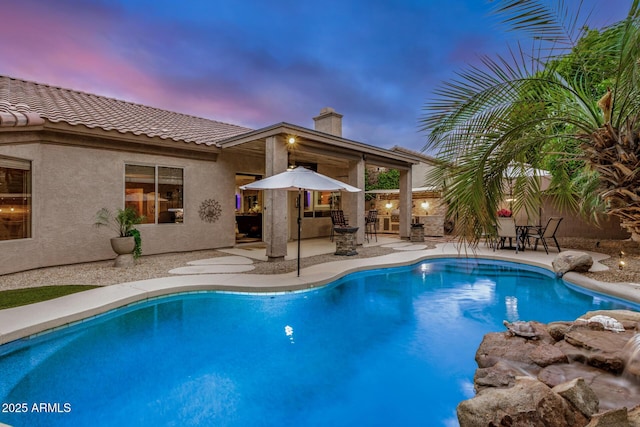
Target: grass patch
[18,297]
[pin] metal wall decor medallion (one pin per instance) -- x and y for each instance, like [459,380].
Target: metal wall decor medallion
[210,210]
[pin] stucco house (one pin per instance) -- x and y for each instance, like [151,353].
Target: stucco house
[65,154]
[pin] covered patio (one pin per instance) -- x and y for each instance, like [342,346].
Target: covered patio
[271,150]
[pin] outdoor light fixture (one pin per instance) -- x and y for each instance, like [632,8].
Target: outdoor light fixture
[425,205]
[621,265]
[292,140]
[389,205]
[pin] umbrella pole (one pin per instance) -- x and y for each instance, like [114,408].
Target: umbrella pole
[299,228]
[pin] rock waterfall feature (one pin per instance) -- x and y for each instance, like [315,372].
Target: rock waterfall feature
[576,373]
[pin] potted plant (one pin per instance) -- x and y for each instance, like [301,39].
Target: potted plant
[123,222]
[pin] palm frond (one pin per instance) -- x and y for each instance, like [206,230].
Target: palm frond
[538,109]
[542,21]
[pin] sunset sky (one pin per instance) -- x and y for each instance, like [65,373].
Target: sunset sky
[260,62]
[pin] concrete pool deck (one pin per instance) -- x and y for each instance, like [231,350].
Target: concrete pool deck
[25,321]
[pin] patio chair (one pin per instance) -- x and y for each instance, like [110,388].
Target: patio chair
[548,232]
[506,229]
[337,220]
[490,237]
[371,224]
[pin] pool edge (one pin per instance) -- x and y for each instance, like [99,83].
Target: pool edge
[23,322]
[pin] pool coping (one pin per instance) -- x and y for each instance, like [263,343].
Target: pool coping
[26,321]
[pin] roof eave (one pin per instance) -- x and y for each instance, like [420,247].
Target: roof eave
[79,135]
[370,152]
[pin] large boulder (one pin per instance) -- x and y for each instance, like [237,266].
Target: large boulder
[580,395]
[613,391]
[528,403]
[547,354]
[565,261]
[497,346]
[502,374]
[554,375]
[600,348]
[558,329]
[634,417]
[612,418]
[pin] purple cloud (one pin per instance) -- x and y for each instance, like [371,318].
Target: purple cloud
[257,63]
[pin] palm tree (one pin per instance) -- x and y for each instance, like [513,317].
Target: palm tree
[532,110]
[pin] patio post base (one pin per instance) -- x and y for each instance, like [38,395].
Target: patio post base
[345,239]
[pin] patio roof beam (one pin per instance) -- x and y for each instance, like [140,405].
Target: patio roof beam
[387,163]
[375,154]
[312,147]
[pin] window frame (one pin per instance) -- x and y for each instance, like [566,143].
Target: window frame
[178,212]
[23,226]
[313,209]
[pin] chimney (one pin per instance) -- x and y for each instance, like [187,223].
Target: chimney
[328,121]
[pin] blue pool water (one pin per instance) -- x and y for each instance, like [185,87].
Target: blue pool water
[377,348]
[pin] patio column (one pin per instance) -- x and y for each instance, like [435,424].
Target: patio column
[276,208]
[353,205]
[405,203]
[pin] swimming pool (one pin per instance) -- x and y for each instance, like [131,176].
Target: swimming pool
[376,348]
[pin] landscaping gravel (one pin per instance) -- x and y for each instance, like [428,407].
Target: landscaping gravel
[148,267]
[153,266]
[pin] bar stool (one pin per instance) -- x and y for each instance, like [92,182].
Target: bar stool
[371,225]
[337,220]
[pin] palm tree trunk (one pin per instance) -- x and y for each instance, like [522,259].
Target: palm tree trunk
[615,155]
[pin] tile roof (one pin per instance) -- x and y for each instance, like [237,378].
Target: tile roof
[18,115]
[24,103]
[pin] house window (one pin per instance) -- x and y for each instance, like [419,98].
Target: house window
[155,192]
[320,203]
[15,198]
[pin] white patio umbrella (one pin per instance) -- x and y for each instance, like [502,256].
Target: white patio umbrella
[514,170]
[300,179]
